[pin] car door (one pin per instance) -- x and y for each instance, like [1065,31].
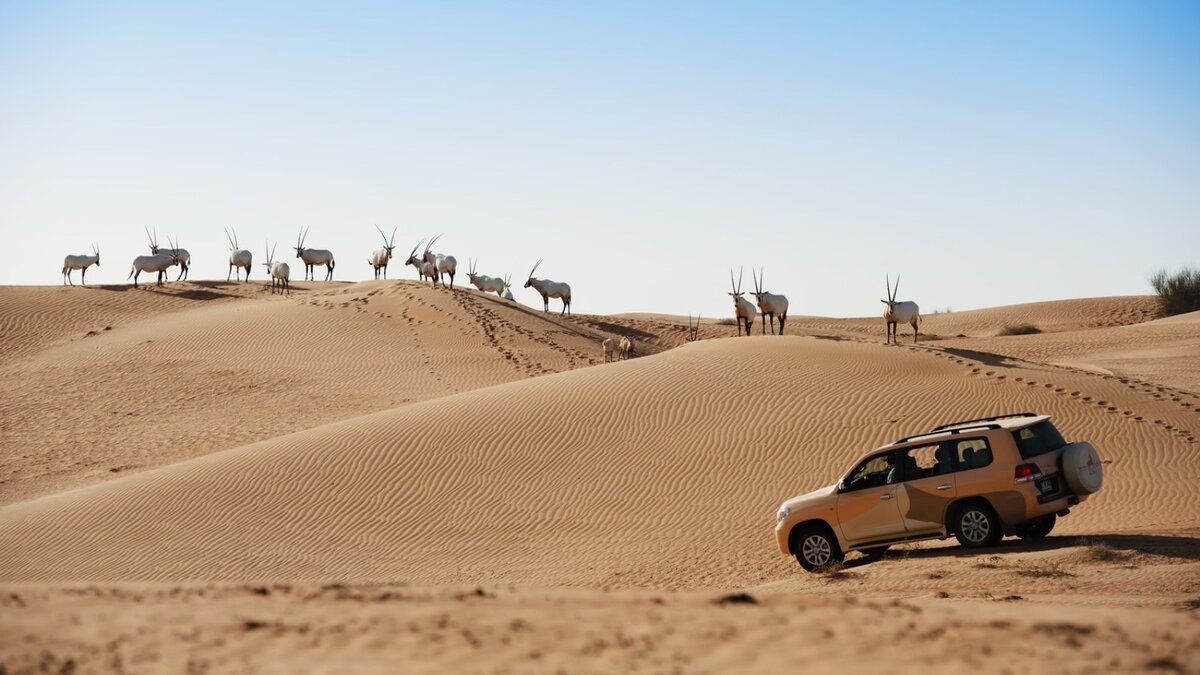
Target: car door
[928,487]
[866,507]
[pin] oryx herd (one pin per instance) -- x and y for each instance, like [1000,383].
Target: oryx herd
[438,267]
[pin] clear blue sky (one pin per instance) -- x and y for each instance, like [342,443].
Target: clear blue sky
[992,153]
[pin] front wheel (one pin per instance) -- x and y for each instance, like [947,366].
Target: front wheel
[976,525]
[1037,528]
[816,549]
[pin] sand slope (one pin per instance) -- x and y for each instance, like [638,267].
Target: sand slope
[176,378]
[663,471]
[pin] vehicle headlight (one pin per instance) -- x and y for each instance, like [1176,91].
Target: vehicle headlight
[781,515]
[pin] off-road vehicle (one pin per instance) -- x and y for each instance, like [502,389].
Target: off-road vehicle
[977,480]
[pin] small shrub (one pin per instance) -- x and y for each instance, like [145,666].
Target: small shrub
[1178,293]
[1019,329]
[727,322]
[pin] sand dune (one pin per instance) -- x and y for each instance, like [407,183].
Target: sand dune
[366,455]
[662,472]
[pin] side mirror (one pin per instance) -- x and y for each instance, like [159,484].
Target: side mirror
[841,486]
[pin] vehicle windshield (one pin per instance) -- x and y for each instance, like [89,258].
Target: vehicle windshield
[1038,439]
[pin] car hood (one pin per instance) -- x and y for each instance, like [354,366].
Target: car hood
[809,498]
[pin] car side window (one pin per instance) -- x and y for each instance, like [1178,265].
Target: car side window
[924,461]
[873,472]
[972,453]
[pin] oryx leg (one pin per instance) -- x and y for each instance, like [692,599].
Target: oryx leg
[545,303]
[914,325]
[67,277]
[782,318]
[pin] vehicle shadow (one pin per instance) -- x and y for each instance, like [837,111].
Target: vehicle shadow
[1181,547]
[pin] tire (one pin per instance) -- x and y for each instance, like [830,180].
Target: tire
[875,551]
[1037,528]
[976,525]
[1082,469]
[816,549]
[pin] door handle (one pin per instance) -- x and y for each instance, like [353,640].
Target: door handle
[944,486]
[888,496]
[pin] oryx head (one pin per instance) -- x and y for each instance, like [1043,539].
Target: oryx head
[173,252]
[737,288]
[233,245]
[388,244]
[428,255]
[891,294]
[153,239]
[759,291]
[507,281]
[270,251]
[300,242]
[412,255]
[530,280]
[471,262]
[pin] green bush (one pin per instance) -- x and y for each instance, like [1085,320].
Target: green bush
[1178,293]
[1020,329]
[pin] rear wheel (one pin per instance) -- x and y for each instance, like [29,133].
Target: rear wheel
[816,549]
[976,525]
[1037,528]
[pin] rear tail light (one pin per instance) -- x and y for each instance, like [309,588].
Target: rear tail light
[1028,472]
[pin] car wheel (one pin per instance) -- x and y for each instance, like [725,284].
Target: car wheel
[815,549]
[1037,528]
[976,525]
[875,551]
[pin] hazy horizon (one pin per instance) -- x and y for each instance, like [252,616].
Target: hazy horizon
[990,155]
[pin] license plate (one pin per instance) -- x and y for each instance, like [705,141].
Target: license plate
[1046,485]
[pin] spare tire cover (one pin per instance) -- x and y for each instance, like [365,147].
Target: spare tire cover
[1082,468]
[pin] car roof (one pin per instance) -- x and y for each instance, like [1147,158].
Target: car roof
[1010,422]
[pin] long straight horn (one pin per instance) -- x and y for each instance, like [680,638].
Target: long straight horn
[887,279]
[414,251]
[431,241]
[732,286]
[382,235]
[229,238]
[741,271]
[535,266]
[271,256]
[392,241]
[235,244]
[897,290]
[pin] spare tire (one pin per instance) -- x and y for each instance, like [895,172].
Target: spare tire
[1082,469]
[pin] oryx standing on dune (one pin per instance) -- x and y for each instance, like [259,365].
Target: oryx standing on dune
[158,262]
[279,272]
[313,257]
[743,309]
[769,304]
[379,259]
[550,289]
[182,257]
[483,282]
[238,257]
[445,264]
[424,269]
[899,312]
[507,294]
[80,262]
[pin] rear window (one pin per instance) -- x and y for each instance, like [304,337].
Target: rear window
[1038,439]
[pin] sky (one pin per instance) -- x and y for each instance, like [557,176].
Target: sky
[991,153]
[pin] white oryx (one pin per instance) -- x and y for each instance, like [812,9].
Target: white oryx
[610,348]
[80,262]
[507,294]
[279,272]
[313,257]
[625,347]
[183,258]
[379,259]
[424,269]
[769,304]
[550,289]
[483,282]
[445,264]
[743,309]
[899,312]
[238,257]
[158,262]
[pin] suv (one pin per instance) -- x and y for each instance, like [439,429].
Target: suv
[977,480]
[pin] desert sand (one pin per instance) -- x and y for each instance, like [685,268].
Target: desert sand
[386,476]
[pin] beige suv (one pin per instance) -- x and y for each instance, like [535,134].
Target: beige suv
[977,480]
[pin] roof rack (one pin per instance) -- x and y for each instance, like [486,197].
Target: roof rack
[985,419]
[953,432]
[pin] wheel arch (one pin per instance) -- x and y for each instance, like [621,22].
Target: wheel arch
[800,526]
[952,511]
